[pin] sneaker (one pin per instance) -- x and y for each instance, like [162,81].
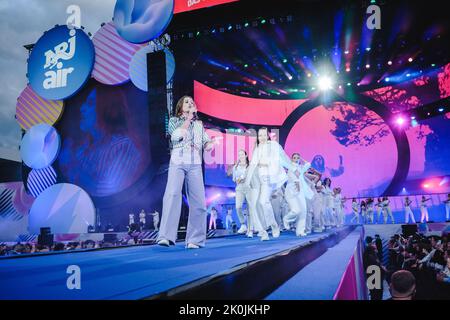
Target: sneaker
[264,235]
[242,229]
[286,224]
[250,234]
[301,234]
[192,246]
[164,243]
[275,231]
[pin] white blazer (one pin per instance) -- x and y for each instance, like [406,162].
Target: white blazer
[278,161]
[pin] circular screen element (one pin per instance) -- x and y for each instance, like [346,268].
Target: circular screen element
[348,143]
[65,208]
[138,67]
[142,20]
[40,179]
[31,109]
[60,63]
[112,56]
[40,146]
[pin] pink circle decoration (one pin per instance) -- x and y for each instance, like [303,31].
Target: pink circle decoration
[112,56]
[31,109]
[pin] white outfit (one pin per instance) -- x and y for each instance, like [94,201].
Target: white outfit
[213,220]
[355,210]
[387,211]
[408,213]
[370,211]
[379,209]
[338,209]
[155,220]
[268,161]
[328,207]
[423,211]
[131,219]
[317,206]
[242,193]
[228,220]
[297,191]
[447,210]
[142,217]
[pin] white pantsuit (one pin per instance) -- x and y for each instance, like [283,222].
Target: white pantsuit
[355,210]
[409,214]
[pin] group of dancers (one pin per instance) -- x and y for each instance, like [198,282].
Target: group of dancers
[313,204]
[366,208]
[266,181]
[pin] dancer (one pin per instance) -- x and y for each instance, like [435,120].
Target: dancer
[249,193]
[297,191]
[379,206]
[242,193]
[276,199]
[155,220]
[447,208]
[355,210]
[311,177]
[370,209]
[213,219]
[363,206]
[188,139]
[268,161]
[408,212]
[387,210]
[328,204]
[131,219]
[338,209]
[423,209]
[229,220]
[142,220]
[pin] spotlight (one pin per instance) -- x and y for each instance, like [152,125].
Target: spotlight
[348,84]
[245,65]
[441,109]
[368,49]
[309,75]
[346,52]
[246,24]
[433,65]
[367,66]
[347,69]
[387,79]
[324,83]
[400,121]
[390,63]
[285,60]
[410,59]
[413,118]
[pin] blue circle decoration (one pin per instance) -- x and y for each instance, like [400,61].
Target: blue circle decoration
[60,63]
[40,146]
[140,21]
[138,67]
[64,207]
[41,179]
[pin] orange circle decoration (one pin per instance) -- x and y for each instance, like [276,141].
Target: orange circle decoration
[31,109]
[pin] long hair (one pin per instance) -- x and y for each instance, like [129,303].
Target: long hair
[179,106]
[247,162]
[257,135]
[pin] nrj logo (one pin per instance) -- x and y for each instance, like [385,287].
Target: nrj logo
[57,75]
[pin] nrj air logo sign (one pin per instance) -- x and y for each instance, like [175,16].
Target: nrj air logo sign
[60,62]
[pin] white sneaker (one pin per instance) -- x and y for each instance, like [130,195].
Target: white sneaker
[164,242]
[301,234]
[275,231]
[242,229]
[250,234]
[286,224]
[192,246]
[264,235]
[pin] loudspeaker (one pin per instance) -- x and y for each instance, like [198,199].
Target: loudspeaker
[110,237]
[45,240]
[409,230]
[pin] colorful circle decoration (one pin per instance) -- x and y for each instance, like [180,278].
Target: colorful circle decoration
[142,20]
[112,56]
[40,179]
[63,207]
[60,63]
[31,109]
[40,146]
[138,67]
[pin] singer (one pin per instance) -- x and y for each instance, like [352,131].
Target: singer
[188,140]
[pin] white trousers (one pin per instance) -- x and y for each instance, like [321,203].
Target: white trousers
[387,212]
[265,192]
[297,213]
[409,215]
[424,214]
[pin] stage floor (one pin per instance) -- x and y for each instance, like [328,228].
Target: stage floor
[134,272]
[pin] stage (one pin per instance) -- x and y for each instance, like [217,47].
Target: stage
[154,272]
